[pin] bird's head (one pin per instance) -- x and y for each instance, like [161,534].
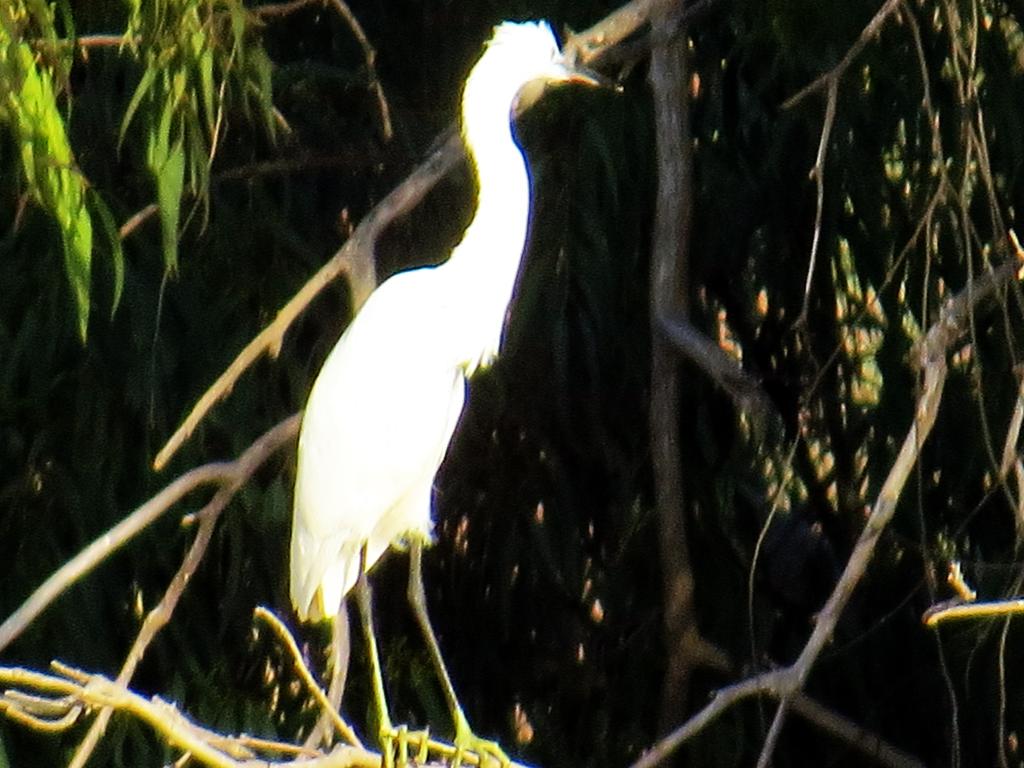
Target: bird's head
[520,54]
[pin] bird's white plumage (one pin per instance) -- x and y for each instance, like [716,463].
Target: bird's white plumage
[376,428]
[385,404]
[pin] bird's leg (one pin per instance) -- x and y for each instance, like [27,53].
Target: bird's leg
[340,647]
[385,730]
[465,739]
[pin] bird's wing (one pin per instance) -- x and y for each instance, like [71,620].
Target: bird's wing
[376,427]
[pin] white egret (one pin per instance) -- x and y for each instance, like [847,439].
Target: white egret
[385,404]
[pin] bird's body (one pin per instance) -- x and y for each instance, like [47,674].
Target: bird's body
[383,409]
[367,465]
[386,402]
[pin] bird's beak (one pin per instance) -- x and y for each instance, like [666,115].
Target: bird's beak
[561,72]
[574,73]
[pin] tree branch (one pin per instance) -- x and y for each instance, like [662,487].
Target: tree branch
[307,677]
[772,684]
[354,259]
[54,703]
[685,648]
[818,174]
[370,55]
[833,75]
[68,690]
[718,365]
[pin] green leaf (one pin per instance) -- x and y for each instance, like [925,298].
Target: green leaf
[158,140]
[47,160]
[206,85]
[140,91]
[78,262]
[110,229]
[170,179]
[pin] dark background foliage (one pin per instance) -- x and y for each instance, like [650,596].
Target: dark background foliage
[545,581]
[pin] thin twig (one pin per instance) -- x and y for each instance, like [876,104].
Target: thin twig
[271,10]
[986,610]
[723,369]
[871,30]
[441,748]
[869,743]
[299,163]
[1010,453]
[103,41]
[1011,460]
[226,473]
[85,43]
[721,701]
[137,219]
[818,173]
[307,678]
[282,9]
[773,684]
[371,65]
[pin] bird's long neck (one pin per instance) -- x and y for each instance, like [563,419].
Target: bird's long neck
[492,247]
[504,195]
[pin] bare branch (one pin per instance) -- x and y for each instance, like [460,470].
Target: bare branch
[773,684]
[371,65]
[102,41]
[228,474]
[669,294]
[767,683]
[270,10]
[986,610]
[1010,453]
[71,689]
[604,44]
[870,744]
[871,30]
[818,173]
[307,678]
[685,647]
[586,47]
[723,370]
[137,219]
[349,161]
[67,692]
[930,360]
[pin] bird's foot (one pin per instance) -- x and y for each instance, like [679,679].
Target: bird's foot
[395,744]
[488,753]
